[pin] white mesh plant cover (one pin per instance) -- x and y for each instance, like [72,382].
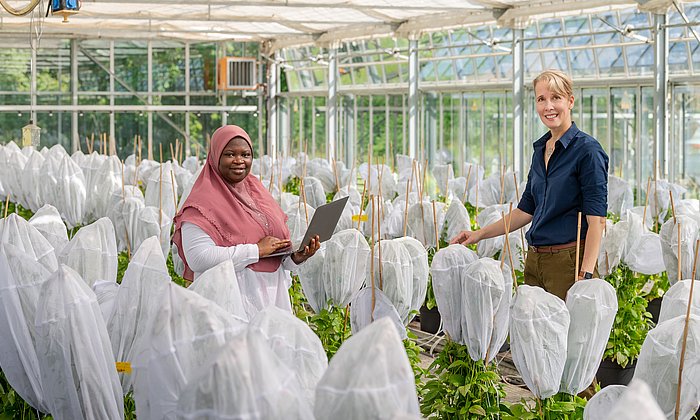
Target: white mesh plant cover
[489,247]
[382,383]
[298,220]
[153,222]
[314,193]
[484,292]
[187,188]
[446,271]
[602,403]
[124,215]
[345,221]
[636,403]
[322,170]
[12,163]
[187,331]
[361,313]
[659,195]
[620,197]
[392,225]
[396,278]
[182,178]
[382,208]
[144,284]
[539,325]
[48,222]
[289,202]
[49,176]
[457,186]
[345,266]
[421,271]
[244,381]
[31,179]
[669,246]
[612,246]
[160,190]
[689,207]
[443,174]
[518,249]
[643,248]
[107,179]
[456,219]
[355,197]
[261,167]
[147,168]
[16,231]
[77,366]
[376,175]
[592,306]
[675,302]
[93,252]
[403,163]
[70,193]
[489,192]
[659,360]
[191,164]
[220,285]
[422,221]
[296,345]
[21,279]
[311,277]
[90,165]
[106,293]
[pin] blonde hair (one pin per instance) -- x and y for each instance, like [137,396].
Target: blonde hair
[557,81]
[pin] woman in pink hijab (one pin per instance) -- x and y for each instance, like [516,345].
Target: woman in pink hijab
[232,216]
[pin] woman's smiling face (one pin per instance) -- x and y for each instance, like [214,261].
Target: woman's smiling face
[553,108]
[236,160]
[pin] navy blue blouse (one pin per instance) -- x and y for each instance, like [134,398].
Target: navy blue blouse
[576,180]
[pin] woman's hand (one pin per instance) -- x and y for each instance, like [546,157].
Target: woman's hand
[308,251]
[269,245]
[467,237]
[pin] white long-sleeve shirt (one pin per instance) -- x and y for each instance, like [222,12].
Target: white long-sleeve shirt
[258,289]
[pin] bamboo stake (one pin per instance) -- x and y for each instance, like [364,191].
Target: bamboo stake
[371,268]
[160,148]
[447,184]
[673,208]
[335,174]
[126,230]
[303,196]
[140,154]
[646,203]
[380,206]
[503,183]
[7,204]
[517,198]
[381,199]
[422,185]
[578,246]
[369,169]
[172,152]
[362,200]
[680,256]
[172,183]
[92,142]
[405,212]
[437,240]
[695,260]
[352,169]
[466,186]
[506,227]
[685,336]
[476,205]
[160,198]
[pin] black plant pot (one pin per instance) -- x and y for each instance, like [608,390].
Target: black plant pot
[429,319]
[610,373]
[654,308]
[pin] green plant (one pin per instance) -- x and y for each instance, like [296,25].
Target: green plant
[292,186]
[459,388]
[13,407]
[332,327]
[632,321]
[413,351]
[558,407]
[300,305]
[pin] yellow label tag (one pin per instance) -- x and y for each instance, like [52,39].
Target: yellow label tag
[124,367]
[357,217]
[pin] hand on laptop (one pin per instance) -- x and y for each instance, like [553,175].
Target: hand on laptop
[309,250]
[270,244]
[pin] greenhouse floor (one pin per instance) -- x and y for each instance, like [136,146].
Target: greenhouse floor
[513,384]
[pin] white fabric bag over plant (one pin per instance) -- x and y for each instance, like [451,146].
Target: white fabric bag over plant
[382,383]
[11,168]
[186,332]
[145,281]
[48,222]
[382,209]
[16,231]
[539,326]
[636,403]
[77,366]
[220,285]
[124,215]
[659,360]
[314,192]
[483,292]
[602,403]
[456,219]
[153,222]
[244,380]
[21,279]
[489,247]
[93,252]
[298,220]
[421,271]
[295,344]
[311,277]
[396,276]
[443,174]
[31,179]
[346,266]
[612,246]
[361,313]
[48,181]
[107,180]
[447,269]
[659,194]
[160,189]
[592,306]
[70,193]
[423,222]
[643,248]
[675,302]
[690,231]
[620,197]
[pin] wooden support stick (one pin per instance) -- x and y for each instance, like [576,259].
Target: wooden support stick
[335,174]
[685,338]
[172,152]
[160,148]
[646,203]
[405,212]
[517,199]
[695,260]
[371,261]
[507,247]
[352,169]
[380,206]
[437,236]
[673,208]
[7,204]
[447,184]
[476,204]
[680,256]
[578,246]
[422,185]
[172,183]
[160,198]
[466,186]
[503,185]
[362,200]
[303,197]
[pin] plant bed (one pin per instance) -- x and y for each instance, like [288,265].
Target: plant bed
[611,373]
[429,319]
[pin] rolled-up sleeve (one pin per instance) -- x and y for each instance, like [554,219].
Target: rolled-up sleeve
[527,202]
[593,179]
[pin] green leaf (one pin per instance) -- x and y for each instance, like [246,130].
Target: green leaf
[477,409]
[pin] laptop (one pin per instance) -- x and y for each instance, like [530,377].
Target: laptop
[323,224]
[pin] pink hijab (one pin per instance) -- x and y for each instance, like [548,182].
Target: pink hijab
[236,214]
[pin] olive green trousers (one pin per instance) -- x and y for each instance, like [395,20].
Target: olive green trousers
[554,272]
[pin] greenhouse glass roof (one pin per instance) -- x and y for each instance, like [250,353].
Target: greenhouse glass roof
[291,22]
